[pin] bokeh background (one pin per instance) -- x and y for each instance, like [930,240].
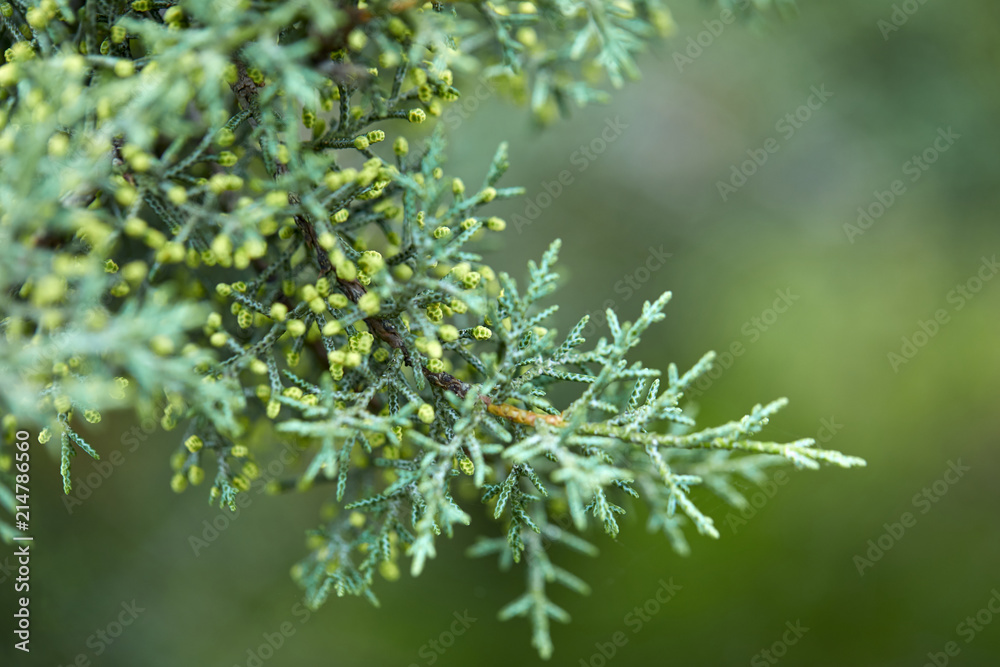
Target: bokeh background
[656,185]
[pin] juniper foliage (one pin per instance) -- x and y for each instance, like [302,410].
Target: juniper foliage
[201,220]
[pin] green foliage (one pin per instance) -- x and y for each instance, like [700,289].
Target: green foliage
[211,212]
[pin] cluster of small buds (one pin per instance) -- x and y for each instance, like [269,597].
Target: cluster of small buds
[434,312]
[371,262]
[471,279]
[361,342]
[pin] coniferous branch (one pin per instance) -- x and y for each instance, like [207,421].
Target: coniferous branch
[200,220]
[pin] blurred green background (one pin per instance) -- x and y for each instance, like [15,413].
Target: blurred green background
[656,184]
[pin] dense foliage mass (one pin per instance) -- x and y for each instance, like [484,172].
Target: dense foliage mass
[225,213]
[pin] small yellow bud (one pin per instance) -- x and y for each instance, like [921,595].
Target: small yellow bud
[196,475]
[402,272]
[447,332]
[471,280]
[388,570]
[225,137]
[371,262]
[467,466]
[357,40]
[347,270]
[58,144]
[124,68]
[426,413]
[369,303]
[161,345]
[279,311]
[178,483]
